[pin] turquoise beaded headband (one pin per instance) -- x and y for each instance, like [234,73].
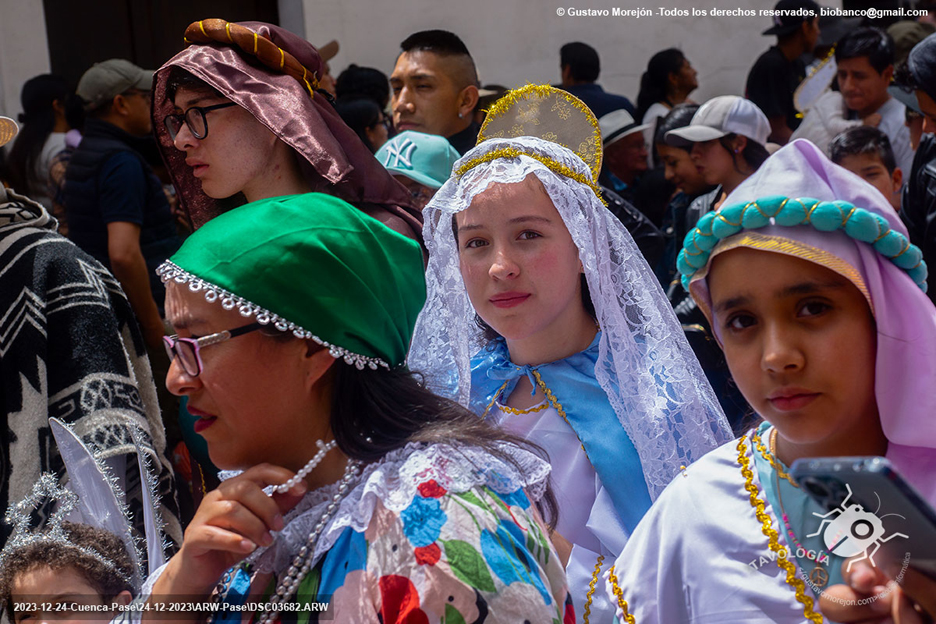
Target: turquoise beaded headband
[825,216]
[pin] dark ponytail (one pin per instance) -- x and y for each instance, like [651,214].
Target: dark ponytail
[754,154]
[654,82]
[38,121]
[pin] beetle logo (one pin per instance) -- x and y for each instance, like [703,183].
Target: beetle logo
[851,530]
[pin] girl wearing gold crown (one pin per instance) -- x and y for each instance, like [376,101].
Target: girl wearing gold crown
[542,316]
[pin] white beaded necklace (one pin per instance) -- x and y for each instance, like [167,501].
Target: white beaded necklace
[309,467]
[302,562]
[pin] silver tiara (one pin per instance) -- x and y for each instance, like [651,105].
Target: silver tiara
[47,490]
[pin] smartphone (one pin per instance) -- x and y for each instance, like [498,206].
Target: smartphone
[871,511]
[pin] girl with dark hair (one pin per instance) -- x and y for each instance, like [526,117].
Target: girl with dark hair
[728,138]
[367,120]
[347,480]
[239,116]
[817,300]
[578,345]
[668,81]
[41,137]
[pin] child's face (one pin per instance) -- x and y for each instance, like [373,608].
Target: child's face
[871,169]
[800,342]
[518,261]
[680,170]
[64,589]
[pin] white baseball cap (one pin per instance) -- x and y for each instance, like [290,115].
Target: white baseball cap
[721,116]
[618,124]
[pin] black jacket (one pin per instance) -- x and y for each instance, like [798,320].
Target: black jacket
[918,206]
[649,238]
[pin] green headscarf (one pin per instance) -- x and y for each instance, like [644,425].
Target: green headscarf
[315,265]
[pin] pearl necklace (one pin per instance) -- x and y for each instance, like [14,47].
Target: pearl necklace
[309,467]
[302,563]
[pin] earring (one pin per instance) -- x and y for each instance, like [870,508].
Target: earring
[460,115]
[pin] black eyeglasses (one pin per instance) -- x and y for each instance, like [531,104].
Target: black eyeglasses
[195,118]
[188,350]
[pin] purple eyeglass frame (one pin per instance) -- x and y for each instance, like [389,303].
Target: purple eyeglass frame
[204,341]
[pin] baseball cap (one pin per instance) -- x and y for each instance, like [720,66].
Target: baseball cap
[425,158]
[790,14]
[618,124]
[8,130]
[105,80]
[721,116]
[906,35]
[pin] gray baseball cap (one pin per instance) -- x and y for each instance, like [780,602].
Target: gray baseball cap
[110,78]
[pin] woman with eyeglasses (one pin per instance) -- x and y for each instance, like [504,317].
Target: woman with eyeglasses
[348,482]
[239,117]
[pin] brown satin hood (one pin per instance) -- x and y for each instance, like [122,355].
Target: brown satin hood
[334,160]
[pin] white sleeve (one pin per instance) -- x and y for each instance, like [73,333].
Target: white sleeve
[648,576]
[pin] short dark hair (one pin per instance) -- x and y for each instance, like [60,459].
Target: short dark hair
[58,556]
[442,42]
[873,43]
[445,44]
[581,59]
[863,140]
[678,117]
[357,82]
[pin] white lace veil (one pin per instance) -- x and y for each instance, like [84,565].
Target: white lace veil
[645,365]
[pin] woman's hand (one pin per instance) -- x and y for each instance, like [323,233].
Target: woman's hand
[870,595]
[865,596]
[231,522]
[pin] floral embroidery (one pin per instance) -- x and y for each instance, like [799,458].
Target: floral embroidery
[431,489]
[400,601]
[423,520]
[470,556]
[428,555]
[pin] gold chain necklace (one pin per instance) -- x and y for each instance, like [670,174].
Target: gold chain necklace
[769,455]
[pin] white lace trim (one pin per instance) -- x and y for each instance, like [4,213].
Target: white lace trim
[168,271]
[394,481]
[645,365]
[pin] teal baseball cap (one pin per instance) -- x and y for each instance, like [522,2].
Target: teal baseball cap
[425,158]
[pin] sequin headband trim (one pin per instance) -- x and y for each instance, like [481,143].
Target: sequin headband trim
[552,165]
[860,224]
[169,271]
[65,501]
